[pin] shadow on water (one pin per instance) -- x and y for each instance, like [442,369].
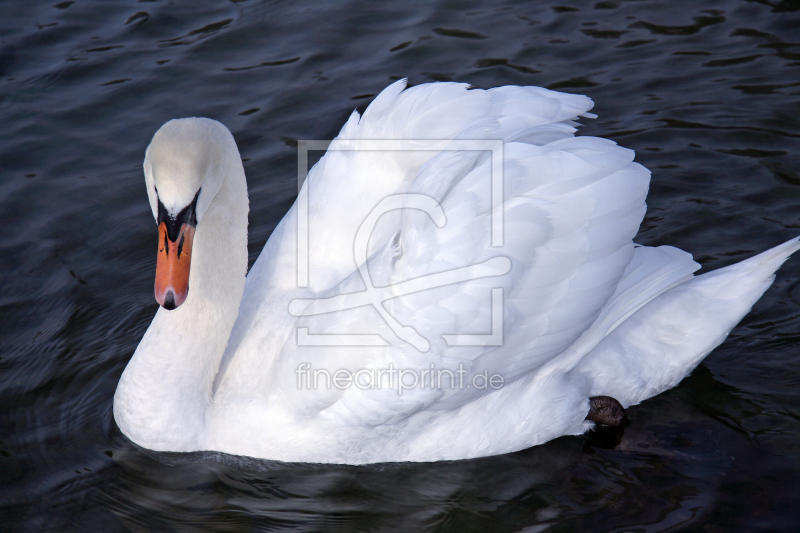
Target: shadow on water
[566,484]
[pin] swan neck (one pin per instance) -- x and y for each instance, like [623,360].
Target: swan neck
[165,390]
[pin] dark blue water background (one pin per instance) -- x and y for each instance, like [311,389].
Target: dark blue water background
[705,92]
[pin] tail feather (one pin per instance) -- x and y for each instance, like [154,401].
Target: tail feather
[663,341]
[747,280]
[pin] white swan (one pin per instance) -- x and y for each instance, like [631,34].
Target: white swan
[581,312]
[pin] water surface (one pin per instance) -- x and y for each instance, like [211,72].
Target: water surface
[707,93]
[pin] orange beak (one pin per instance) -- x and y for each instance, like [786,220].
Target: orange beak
[172,268]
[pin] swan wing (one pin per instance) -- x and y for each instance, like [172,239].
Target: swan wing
[347,184]
[570,209]
[354,176]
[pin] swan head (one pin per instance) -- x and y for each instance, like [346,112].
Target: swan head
[184,168]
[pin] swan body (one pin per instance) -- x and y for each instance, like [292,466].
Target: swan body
[561,307]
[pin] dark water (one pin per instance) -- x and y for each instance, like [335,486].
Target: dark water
[706,92]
